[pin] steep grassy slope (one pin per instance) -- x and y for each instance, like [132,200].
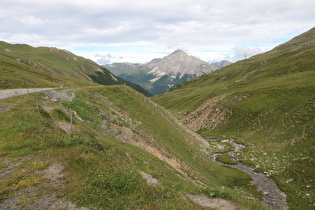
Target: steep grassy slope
[108,153]
[266,102]
[25,66]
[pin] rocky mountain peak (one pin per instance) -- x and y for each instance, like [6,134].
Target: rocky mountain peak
[179,52]
[181,63]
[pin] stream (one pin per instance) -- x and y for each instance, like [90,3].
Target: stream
[273,197]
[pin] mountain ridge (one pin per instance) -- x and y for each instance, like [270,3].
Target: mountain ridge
[303,40]
[161,74]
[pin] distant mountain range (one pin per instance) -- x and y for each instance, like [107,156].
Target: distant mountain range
[222,64]
[161,74]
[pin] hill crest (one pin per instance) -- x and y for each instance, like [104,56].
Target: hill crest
[303,40]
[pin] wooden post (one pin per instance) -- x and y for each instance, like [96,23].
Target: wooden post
[71,115]
[37,107]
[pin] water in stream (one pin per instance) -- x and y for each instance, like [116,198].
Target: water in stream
[273,198]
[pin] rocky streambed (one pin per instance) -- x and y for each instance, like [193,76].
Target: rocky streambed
[272,196]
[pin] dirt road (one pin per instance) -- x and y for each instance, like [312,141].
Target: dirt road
[14,92]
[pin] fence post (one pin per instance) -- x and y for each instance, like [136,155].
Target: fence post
[37,107]
[71,116]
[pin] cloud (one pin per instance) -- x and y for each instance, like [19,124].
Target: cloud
[103,59]
[163,25]
[104,56]
[107,59]
[244,52]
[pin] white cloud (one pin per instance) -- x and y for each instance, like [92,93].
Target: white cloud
[244,52]
[104,59]
[31,20]
[199,26]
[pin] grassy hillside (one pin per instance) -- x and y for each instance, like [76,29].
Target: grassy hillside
[106,147]
[25,66]
[266,102]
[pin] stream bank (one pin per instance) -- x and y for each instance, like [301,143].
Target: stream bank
[273,197]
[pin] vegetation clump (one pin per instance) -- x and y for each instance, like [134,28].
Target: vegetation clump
[226,158]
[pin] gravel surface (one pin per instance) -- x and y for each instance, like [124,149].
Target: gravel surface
[15,92]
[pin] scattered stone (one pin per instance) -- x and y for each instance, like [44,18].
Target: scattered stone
[66,127]
[57,95]
[53,172]
[216,203]
[3,108]
[149,178]
[289,180]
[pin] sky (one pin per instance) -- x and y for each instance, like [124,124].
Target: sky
[136,31]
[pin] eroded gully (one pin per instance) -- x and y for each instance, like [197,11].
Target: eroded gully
[273,197]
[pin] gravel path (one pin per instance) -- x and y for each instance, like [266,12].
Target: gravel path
[14,92]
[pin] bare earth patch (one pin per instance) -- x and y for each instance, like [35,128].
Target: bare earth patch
[66,127]
[56,95]
[216,203]
[208,115]
[149,178]
[43,196]
[53,172]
